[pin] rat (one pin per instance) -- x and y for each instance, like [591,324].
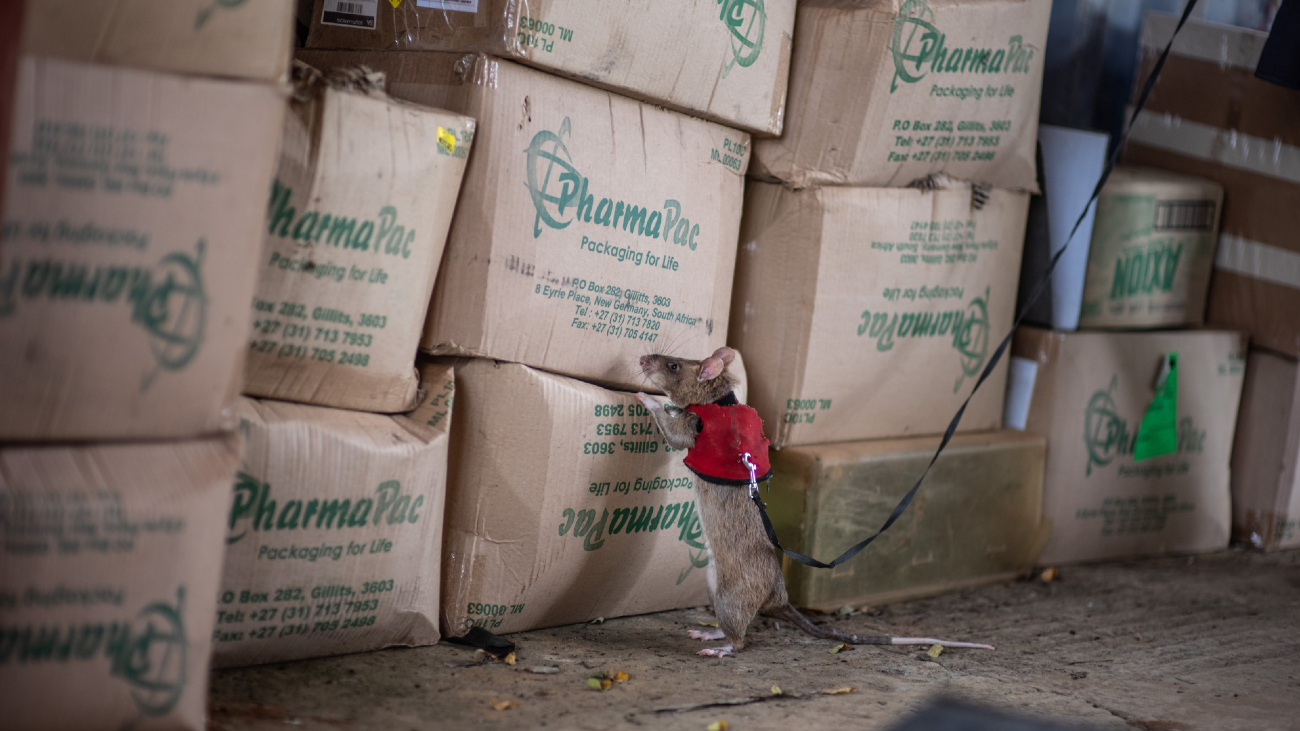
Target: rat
[744,575]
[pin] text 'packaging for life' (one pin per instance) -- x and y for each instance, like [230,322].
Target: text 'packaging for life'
[1152,250]
[247,39]
[1265,453]
[868,313]
[1092,394]
[564,504]
[335,529]
[724,61]
[110,560]
[827,497]
[358,217]
[590,229]
[883,92]
[132,220]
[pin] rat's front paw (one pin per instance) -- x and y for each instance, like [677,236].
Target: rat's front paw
[648,402]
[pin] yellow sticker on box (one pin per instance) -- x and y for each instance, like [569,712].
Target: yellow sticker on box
[447,140]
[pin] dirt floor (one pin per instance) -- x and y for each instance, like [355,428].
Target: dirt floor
[1206,643]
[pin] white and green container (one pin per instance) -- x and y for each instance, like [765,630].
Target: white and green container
[1152,250]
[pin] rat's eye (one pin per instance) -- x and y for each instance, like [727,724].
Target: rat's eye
[672,367]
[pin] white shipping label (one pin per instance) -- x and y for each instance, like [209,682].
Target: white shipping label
[463,6]
[350,13]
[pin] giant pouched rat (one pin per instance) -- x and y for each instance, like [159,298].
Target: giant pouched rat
[744,576]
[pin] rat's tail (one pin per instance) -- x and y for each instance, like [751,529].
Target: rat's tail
[827,633]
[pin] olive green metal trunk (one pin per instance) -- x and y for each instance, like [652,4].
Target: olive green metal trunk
[976,520]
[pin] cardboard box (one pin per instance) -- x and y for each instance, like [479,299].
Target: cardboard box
[1265,482]
[590,229]
[884,92]
[868,313]
[1210,117]
[110,560]
[1152,250]
[335,530]
[11,17]
[358,217]
[564,504]
[828,497]
[132,218]
[250,39]
[728,62]
[1087,392]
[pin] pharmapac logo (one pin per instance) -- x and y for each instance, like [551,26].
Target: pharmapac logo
[1106,432]
[150,652]
[968,328]
[747,20]
[253,506]
[169,302]
[560,196]
[918,42]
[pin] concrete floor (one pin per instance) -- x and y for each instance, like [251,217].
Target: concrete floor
[1211,642]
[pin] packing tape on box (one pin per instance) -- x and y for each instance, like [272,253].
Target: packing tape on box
[1223,146]
[1258,261]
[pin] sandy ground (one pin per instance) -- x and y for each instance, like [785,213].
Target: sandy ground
[1167,644]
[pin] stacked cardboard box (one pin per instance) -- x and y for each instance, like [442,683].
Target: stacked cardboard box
[725,62]
[876,274]
[1141,424]
[335,531]
[593,228]
[1098,395]
[1094,396]
[134,194]
[1265,481]
[1209,116]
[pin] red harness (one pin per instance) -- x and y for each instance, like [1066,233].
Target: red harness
[726,432]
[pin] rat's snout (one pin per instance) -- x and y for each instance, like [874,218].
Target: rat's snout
[647,364]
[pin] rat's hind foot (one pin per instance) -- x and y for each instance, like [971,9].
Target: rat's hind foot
[717,651]
[715,634]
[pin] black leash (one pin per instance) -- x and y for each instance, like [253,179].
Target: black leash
[997,354]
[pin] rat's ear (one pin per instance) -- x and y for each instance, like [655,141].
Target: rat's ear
[724,354]
[710,368]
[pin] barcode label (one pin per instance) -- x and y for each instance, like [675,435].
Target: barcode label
[1195,215]
[350,13]
[461,6]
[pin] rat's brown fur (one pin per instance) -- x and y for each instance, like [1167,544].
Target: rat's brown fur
[744,573]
